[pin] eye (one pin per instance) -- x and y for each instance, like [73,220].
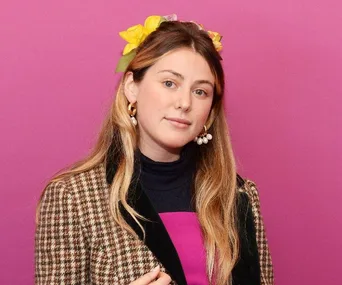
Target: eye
[169,83]
[200,92]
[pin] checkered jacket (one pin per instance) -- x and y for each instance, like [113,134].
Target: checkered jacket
[78,243]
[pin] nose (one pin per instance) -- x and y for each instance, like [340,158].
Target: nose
[183,100]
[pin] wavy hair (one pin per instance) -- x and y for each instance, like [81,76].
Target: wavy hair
[215,186]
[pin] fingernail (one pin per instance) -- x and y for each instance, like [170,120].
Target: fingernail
[155,269]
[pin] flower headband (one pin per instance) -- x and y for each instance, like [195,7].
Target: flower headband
[135,35]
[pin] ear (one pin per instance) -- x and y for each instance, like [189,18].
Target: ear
[130,88]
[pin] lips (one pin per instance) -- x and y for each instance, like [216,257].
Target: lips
[179,120]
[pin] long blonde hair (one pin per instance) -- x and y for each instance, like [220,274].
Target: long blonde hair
[215,179]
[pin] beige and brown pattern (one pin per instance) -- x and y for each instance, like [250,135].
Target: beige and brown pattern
[78,243]
[266,267]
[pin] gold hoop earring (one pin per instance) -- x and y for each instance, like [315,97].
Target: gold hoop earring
[204,137]
[132,112]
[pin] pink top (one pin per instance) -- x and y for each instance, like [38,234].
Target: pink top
[185,232]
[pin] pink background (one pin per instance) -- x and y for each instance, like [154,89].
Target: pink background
[283,62]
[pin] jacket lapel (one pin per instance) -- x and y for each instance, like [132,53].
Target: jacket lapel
[247,269]
[157,238]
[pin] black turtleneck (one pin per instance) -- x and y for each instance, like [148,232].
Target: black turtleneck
[168,185]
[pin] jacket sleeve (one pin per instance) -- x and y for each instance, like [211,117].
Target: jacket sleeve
[265,260]
[60,245]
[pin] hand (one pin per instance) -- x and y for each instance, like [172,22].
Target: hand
[155,277]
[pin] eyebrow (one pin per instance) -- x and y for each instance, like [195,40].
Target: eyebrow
[203,81]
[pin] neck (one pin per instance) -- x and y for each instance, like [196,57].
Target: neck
[167,175]
[158,153]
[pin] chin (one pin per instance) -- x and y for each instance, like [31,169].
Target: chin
[175,144]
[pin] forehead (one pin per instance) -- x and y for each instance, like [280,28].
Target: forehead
[185,61]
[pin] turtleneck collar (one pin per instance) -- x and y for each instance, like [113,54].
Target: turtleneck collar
[163,176]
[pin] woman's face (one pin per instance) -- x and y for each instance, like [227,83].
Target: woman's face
[173,101]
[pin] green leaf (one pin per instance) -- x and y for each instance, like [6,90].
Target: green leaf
[125,60]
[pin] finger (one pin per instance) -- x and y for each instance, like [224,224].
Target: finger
[148,277]
[163,279]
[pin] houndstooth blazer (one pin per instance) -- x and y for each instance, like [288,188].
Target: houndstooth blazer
[78,243]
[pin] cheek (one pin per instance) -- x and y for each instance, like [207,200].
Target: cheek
[203,112]
[149,105]
[201,120]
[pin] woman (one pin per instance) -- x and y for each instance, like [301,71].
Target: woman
[158,201]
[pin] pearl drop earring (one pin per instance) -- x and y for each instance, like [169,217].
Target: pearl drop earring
[203,137]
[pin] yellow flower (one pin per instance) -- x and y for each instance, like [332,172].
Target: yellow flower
[151,24]
[135,35]
[216,38]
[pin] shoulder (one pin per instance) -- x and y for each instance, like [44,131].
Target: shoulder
[75,192]
[80,183]
[249,190]
[248,202]
[75,201]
